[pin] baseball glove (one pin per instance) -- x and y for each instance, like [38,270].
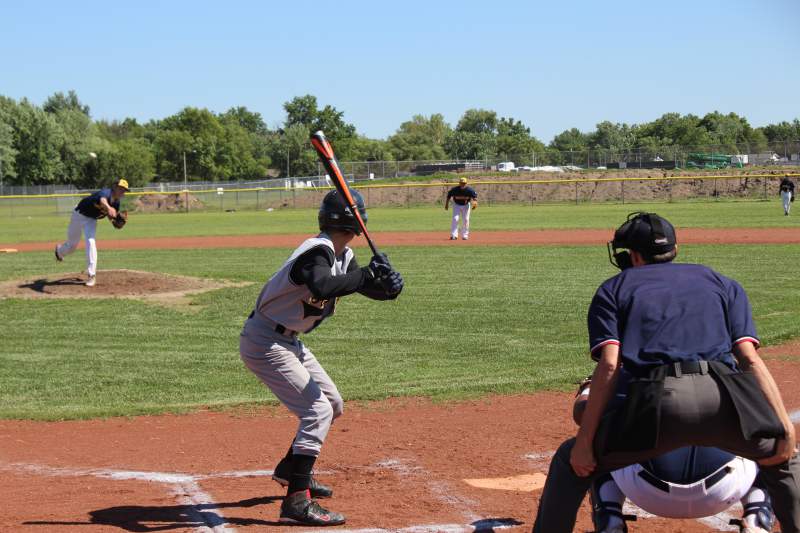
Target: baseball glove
[120,220]
[474,204]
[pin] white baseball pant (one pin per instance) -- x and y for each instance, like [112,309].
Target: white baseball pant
[786,197]
[294,375]
[460,212]
[688,501]
[88,225]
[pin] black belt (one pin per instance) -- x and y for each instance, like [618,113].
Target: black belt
[676,370]
[280,329]
[709,482]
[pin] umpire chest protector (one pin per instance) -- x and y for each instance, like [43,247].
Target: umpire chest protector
[293,306]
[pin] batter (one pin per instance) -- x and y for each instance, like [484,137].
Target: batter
[295,300]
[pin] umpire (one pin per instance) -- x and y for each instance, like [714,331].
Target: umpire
[686,335]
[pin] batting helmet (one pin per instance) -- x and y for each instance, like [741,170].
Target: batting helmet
[334,213]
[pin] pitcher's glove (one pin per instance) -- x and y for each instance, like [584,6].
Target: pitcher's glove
[474,204]
[120,220]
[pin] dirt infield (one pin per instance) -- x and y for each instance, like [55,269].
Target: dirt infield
[398,465]
[440,238]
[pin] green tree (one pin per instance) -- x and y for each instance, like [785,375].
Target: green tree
[514,140]
[291,153]
[8,154]
[132,159]
[61,102]
[421,138]
[37,138]
[249,120]
[782,131]
[478,121]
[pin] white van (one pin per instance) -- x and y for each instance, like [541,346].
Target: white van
[506,166]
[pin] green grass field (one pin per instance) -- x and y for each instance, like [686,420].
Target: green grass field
[495,319]
[15,229]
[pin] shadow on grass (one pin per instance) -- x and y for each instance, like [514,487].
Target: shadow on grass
[140,518]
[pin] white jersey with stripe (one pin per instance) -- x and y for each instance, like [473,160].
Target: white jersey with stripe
[293,306]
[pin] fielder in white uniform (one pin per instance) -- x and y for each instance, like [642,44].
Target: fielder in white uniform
[296,299]
[465,199]
[787,194]
[100,204]
[691,482]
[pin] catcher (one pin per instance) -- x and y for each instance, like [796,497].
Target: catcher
[690,482]
[465,199]
[101,204]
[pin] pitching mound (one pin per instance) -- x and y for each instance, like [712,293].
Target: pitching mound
[149,286]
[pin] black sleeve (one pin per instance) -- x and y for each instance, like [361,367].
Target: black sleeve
[371,288]
[313,268]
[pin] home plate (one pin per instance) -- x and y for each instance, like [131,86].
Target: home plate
[523,483]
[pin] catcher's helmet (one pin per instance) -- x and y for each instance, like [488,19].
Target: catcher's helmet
[335,214]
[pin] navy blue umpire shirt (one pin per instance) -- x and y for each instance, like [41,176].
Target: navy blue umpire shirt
[670,312]
[86,206]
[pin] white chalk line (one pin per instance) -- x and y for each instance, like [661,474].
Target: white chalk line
[482,526]
[189,493]
[184,487]
[445,493]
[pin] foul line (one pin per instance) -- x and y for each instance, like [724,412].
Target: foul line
[184,487]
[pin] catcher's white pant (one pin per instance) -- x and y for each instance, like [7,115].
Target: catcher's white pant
[294,375]
[786,197]
[88,225]
[688,501]
[460,212]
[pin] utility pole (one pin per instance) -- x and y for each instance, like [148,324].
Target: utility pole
[185,182]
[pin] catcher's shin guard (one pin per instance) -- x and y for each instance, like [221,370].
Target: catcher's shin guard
[604,510]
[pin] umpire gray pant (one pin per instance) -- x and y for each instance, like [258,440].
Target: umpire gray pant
[694,412]
[296,378]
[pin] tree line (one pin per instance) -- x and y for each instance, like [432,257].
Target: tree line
[59,143]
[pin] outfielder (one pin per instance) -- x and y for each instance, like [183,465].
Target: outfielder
[101,204]
[787,194]
[296,299]
[691,482]
[465,199]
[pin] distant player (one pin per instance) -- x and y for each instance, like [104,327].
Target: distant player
[464,200]
[295,300]
[787,194]
[101,204]
[690,482]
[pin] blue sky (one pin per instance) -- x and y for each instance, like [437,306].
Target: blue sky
[553,65]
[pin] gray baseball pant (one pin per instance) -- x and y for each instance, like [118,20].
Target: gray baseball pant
[693,412]
[296,378]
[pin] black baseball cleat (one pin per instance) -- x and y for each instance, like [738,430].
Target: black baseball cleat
[58,257]
[299,508]
[284,470]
